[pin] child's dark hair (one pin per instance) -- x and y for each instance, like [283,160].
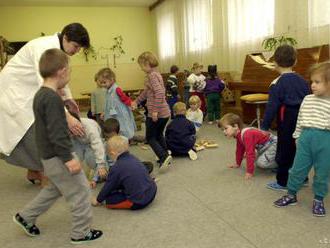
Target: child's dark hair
[323,69]
[213,72]
[174,69]
[285,56]
[77,33]
[111,126]
[231,119]
[51,61]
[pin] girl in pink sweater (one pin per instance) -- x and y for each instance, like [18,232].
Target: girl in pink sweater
[158,109]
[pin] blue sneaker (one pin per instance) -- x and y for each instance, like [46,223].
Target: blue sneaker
[276,186]
[286,200]
[318,208]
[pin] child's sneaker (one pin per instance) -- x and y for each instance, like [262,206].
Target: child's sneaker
[166,164]
[92,235]
[318,208]
[192,154]
[286,200]
[29,228]
[276,186]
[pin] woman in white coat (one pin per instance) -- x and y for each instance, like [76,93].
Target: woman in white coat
[19,81]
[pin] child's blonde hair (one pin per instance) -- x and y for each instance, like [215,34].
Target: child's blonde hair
[106,73]
[323,69]
[148,58]
[118,144]
[194,100]
[232,120]
[179,108]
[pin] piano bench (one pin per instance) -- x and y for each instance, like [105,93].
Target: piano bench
[257,100]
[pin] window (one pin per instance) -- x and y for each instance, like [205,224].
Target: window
[198,22]
[166,33]
[250,20]
[319,13]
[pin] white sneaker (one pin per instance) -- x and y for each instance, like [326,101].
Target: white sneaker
[192,155]
[166,164]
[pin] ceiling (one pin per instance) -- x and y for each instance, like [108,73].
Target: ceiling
[140,3]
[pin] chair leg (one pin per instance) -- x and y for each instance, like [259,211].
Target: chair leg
[258,115]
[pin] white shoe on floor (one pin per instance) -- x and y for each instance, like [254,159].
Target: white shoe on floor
[192,155]
[166,164]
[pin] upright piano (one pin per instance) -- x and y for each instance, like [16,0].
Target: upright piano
[257,76]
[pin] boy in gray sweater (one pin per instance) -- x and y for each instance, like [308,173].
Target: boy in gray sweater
[55,148]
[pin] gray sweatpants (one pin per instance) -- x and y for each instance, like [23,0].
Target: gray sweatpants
[75,190]
[266,155]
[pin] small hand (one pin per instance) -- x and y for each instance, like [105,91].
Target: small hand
[102,172]
[74,166]
[133,105]
[92,184]
[154,116]
[233,166]
[95,203]
[248,176]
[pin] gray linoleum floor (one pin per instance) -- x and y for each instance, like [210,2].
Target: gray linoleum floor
[199,204]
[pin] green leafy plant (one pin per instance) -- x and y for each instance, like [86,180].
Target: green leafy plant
[5,49]
[270,44]
[117,48]
[89,52]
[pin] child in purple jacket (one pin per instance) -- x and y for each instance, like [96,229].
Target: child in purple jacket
[214,86]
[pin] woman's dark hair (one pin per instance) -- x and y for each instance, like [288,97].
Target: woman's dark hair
[213,72]
[77,33]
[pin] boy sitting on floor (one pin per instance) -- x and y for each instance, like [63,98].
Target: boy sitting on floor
[180,134]
[128,184]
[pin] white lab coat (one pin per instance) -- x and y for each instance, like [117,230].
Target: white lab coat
[19,81]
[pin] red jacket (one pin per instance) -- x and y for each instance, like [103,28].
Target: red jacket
[251,138]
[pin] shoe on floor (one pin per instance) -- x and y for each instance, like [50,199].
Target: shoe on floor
[92,235]
[166,164]
[192,154]
[276,186]
[318,208]
[287,200]
[29,228]
[210,122]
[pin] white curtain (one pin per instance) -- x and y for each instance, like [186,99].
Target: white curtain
[222,32]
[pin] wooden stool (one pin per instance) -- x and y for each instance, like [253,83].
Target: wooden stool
[258,100]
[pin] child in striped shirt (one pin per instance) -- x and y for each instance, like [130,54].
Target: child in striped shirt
[312,136]
[158,109]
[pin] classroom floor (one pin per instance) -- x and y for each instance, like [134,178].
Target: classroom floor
[199,204]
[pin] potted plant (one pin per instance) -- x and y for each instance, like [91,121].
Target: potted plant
[271,43]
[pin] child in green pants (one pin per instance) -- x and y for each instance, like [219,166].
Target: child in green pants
[313,139]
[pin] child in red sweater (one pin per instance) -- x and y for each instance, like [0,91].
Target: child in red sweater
[258,146]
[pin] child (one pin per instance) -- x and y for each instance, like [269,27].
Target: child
[172,88]
[54,145]
[194,114]
[158,109]
[247,141]
[214,87]
[285,96]
[180,134]
[117,104]
[197,84]
[111,129]
[186,87]
[128,185]
[313,139]
[90,148]
[98,100]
